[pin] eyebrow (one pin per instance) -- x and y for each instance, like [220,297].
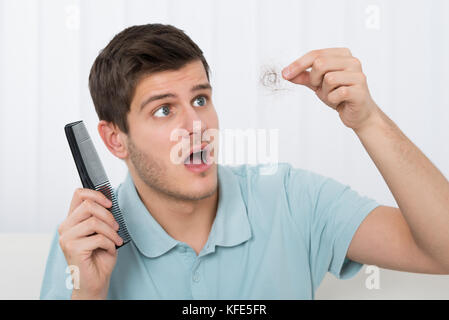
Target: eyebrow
[171,95]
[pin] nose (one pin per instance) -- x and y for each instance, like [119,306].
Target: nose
[193,123]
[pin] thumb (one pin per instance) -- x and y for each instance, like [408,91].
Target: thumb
[304,79]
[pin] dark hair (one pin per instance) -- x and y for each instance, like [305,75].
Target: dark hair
[135,52]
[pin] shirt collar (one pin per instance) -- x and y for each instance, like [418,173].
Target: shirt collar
[230,227]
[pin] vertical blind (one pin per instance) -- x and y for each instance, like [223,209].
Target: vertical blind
[47,48]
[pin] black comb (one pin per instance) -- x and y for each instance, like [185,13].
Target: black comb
[91,170]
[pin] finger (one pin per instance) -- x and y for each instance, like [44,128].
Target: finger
[339,95]
[304,79]
[97,241]
[91,226]
[306,61]
[332,80]
[84,211]
[82,194]
[314,78]
[322,65]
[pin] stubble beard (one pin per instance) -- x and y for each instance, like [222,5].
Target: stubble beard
[154,174]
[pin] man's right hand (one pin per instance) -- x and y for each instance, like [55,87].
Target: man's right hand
[88,237]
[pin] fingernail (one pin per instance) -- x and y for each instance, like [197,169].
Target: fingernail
[120,241]
[286,72]
[116,225]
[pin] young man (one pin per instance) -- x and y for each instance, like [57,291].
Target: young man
[218,232]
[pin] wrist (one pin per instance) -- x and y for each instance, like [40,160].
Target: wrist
[375,120]
[79,295]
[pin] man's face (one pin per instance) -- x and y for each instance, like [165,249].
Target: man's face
[151,124]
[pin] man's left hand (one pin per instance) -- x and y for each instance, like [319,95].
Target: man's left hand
[337,79]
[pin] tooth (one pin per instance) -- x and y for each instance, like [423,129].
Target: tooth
[204,155]
[197,157]
[188,161]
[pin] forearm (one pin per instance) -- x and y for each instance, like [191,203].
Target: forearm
[419,188]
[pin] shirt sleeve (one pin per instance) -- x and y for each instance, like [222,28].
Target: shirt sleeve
[329,213]
[56,284]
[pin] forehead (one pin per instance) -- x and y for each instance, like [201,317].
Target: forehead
[163,81]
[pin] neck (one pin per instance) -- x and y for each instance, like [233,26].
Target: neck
[189,221]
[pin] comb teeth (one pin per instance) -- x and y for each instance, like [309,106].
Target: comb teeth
[106,189]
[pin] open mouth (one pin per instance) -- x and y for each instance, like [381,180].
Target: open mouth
[198,157]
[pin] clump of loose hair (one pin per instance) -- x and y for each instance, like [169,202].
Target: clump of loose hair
[135,52]
[270,78]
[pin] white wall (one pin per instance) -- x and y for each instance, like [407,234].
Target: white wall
[47,48]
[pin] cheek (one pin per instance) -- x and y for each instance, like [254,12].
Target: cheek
[148,140]
[152,139]
[212,119]
[159,144]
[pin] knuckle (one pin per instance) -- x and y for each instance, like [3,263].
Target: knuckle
[318,63]
[88,204]
[363,77]
[78,192]
[69,247]
[356,62]
[343,92]
[93,222]
[329,78]
[347,50]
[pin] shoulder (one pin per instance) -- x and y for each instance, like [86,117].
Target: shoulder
[270,188]
[261,173]
[277,197]
[280,175]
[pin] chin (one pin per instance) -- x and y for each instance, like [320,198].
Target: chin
[201,183]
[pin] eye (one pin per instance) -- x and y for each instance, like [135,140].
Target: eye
[202,99]
[162,111]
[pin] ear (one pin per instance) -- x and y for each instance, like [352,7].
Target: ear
[113,138]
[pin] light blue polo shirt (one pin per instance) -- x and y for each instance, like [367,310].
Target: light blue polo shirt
[274,237]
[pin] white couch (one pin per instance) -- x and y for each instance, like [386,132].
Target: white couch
[23,258]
